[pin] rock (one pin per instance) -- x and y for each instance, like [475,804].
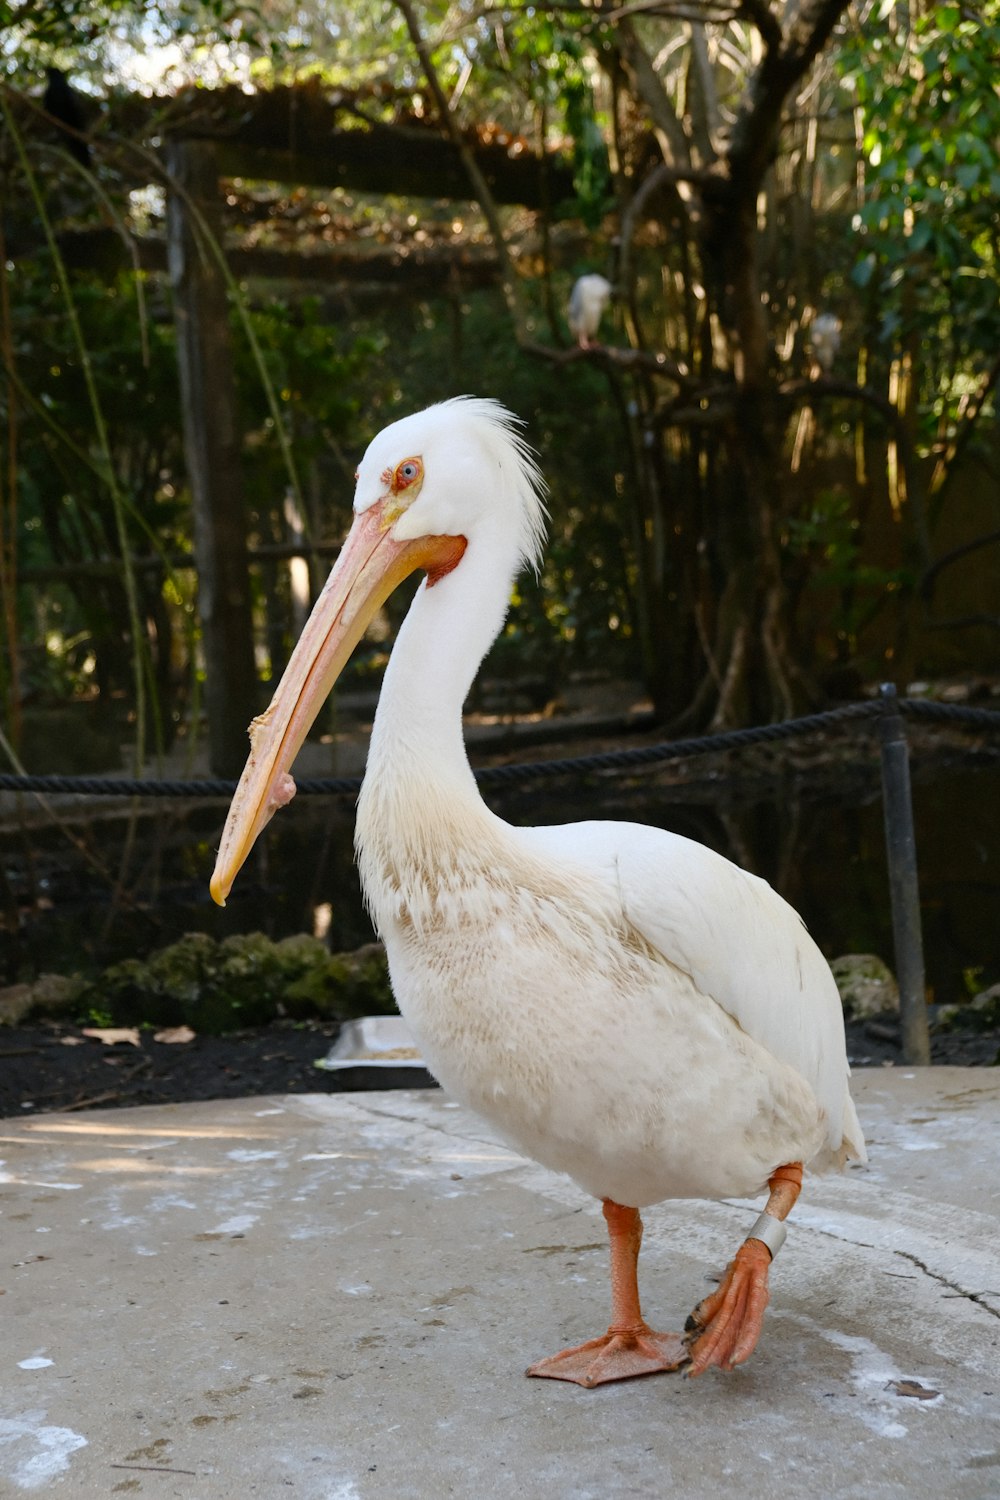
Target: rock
[53,994]
[986,1007]
[979,1014]
[244,981]
[49,995]
[15,1004]
[867,986]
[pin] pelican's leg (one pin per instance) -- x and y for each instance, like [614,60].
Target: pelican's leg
[724,1328]
[629,1347]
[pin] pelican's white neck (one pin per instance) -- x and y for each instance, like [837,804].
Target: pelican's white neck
[450,626]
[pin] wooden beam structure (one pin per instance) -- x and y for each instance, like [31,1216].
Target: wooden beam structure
[213,450]
[409,269]
[315,136]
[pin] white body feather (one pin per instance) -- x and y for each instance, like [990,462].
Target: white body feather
[625,1005]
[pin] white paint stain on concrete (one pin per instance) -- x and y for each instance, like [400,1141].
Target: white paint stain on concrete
[36,1362]
[32,1452]
[244,1153]
[8,1178]
[239,1224]
[871,1373]
[163,1202]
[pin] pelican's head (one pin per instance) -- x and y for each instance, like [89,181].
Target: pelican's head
[455,470]
[430,486]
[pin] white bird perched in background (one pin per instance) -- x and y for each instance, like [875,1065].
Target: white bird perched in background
[824,340]
[625,1005]
[588,300]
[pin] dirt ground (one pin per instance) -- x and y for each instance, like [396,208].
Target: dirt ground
[41,1069]
[51,1066]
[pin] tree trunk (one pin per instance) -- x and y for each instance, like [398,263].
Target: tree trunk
[213,451]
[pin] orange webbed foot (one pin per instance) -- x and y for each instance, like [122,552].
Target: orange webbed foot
[621,1354]
[724,1328]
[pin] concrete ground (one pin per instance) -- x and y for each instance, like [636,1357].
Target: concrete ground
[334,1298]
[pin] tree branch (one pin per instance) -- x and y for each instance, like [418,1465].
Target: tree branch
[705,108]
[945,466]
[927,584]
[965,622]
[660,177]
[809,392]
[611,357]
[697,11]
[673,139]
[786,59]
[760,14]
[508,277]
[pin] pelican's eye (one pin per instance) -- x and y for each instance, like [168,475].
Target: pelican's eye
[407,473]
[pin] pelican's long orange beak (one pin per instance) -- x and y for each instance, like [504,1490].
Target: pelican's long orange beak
[372,563]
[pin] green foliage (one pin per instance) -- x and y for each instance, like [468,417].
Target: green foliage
[829,561]
[318,374]
[75,32]
[79,635]
[929,223]
[246,980]
[591,173]
[68,514]
[830,535]
[579,613]
[972,980]
[557,57]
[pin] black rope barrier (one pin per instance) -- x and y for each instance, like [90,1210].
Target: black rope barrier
[608,760]
[886,712]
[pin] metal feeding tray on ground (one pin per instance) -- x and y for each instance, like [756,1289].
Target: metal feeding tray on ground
[377,1052]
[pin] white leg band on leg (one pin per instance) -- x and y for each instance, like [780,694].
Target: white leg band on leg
[770,1231]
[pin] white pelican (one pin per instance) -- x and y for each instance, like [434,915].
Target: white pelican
[623,1004]
[588,300]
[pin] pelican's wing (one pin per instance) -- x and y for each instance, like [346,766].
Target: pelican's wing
[741,943]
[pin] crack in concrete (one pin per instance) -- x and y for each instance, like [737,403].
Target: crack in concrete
[979,1298]
[420,1120]
[842,1239]
[976,1297]
[799,1224]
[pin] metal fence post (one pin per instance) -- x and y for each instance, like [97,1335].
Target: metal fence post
[901,854]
